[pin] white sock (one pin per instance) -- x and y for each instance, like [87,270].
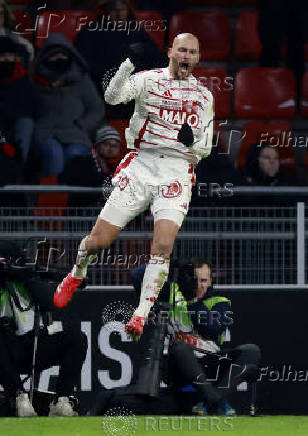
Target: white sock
[156,273]
[83,260]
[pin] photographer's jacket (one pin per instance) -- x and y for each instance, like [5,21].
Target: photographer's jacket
[23,319]
[202,323]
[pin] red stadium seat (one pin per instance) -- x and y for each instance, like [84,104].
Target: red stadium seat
[247,43]
[20,2]
[68,22]
[217,81]
[212,29]
[154,25]
[304,100]
[120,125]
[245,2]
[51,204]
[276,133]
[262,92]
[24,25]
[202,3]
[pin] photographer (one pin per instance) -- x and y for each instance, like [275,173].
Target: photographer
[199,319]
[19,319]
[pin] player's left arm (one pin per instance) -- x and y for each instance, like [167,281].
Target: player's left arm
[202,146]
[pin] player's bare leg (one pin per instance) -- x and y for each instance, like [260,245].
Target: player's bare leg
[101,236]
[156,273]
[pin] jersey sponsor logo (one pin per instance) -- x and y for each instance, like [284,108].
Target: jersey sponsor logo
[179,117]
[188,113]
[172,190]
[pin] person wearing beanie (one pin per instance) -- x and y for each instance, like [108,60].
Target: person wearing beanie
[95,168]
[17,112]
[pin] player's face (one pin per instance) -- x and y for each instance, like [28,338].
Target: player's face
[204,280]
[269,161]
[184,56]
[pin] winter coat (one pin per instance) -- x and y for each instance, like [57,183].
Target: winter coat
[71,112]
[17,100]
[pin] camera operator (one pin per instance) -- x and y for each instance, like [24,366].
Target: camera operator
[199,318]
[18,312]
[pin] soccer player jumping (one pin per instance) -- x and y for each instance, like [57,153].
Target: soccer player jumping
[170,131]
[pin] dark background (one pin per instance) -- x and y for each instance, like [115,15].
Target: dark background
[275,320]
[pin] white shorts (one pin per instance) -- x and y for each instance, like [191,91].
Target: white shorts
[147,178]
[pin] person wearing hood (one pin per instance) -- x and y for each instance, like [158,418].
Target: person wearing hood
[17,111]
[69,109]
[8,27]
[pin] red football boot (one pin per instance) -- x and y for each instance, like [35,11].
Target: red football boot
[65,290]
[134,327]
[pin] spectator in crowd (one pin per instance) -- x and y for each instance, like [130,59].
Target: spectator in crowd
[108,46]
[17,110]
[92,169]
[69,108]
[25,50]
[279,21]
[263,167]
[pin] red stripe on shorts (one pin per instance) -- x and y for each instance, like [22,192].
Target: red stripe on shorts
[191,171]
[125,163]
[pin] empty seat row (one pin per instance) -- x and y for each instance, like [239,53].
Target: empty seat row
[212,28]
[193,3]
[259,92]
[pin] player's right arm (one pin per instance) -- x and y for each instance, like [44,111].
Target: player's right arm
[124,87]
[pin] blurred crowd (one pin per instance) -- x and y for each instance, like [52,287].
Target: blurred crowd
[55,125]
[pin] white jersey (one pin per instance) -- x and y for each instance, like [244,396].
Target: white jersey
[162,106]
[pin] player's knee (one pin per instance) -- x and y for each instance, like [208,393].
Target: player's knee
[163,246]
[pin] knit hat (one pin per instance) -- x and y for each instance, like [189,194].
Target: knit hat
[7,45]
[106,132]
